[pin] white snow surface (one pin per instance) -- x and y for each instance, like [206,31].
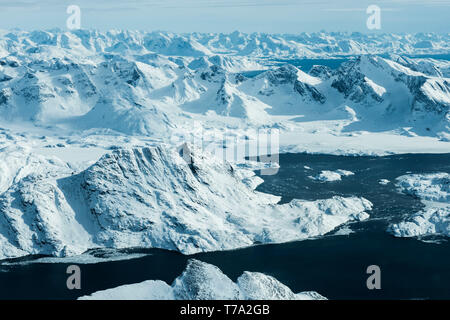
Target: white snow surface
[432,187]
[158,84]
[329,176]
[155,197]
[434,219]
[431,221]
[90,122]
[202,281]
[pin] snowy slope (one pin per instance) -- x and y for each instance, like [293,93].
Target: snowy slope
[428,66]
[154,197]
[385,94]
[151,83]
[431,187]
[434,219]
[227,62]
[431,221]
[108,91]
[202,281]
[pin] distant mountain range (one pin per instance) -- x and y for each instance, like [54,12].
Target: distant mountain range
[319,44]
[144,83]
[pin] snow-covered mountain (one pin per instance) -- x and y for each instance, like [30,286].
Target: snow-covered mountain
[319,44]
[323,44]
[81,113]
[202,281]
[77,81]
[156,198]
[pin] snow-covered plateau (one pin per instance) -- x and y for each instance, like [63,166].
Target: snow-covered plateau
[434,219]
[202,281]
[91,123]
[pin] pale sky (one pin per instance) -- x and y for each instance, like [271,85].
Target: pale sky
[274,16]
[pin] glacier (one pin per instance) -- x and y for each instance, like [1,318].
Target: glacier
[202,281]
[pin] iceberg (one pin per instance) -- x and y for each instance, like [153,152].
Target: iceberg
[329,176]
[202,281]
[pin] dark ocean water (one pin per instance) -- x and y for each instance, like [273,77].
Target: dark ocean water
[334,265]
